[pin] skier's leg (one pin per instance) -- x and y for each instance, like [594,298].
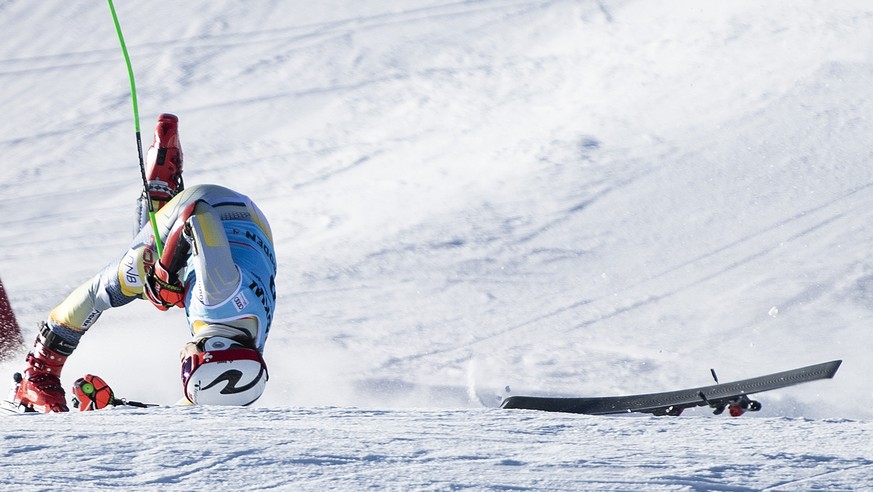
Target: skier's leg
[163,169]
[39,387]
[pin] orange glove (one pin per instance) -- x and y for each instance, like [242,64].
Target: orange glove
[163,288]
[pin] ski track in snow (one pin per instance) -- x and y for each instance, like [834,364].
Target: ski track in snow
[469,200]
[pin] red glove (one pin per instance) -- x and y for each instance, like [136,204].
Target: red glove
[164,288]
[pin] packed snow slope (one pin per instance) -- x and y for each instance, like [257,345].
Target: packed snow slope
[564,197]
[471,199]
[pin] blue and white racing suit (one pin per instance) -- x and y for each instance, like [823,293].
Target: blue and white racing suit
[229,274]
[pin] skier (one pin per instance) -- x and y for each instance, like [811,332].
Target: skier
[217,264]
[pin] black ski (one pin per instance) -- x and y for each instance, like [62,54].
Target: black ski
[733,396]
[11,408]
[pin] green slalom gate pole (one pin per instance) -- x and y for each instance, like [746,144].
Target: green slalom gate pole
[145,184]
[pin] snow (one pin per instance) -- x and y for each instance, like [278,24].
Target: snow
[333,448]
[470,200]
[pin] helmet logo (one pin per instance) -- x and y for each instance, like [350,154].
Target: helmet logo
[232,377]
[207,357]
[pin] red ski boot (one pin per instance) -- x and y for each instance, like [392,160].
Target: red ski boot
[40,388]
[164,162]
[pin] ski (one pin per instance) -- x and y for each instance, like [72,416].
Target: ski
[732,396]
[11,408]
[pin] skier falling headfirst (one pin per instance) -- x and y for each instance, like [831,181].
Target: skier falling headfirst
[217,264]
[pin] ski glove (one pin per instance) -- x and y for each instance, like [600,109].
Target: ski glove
[164,288]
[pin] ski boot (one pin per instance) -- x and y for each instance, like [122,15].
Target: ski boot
[164,161]
[163,169]
[39,388]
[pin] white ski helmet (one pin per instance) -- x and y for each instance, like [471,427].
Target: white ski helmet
[223,372]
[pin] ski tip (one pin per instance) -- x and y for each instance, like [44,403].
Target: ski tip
[510,402]
[833,366]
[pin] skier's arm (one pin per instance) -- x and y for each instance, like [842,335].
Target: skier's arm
[162,284]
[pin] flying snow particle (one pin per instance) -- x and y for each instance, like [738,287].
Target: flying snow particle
[773,311]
